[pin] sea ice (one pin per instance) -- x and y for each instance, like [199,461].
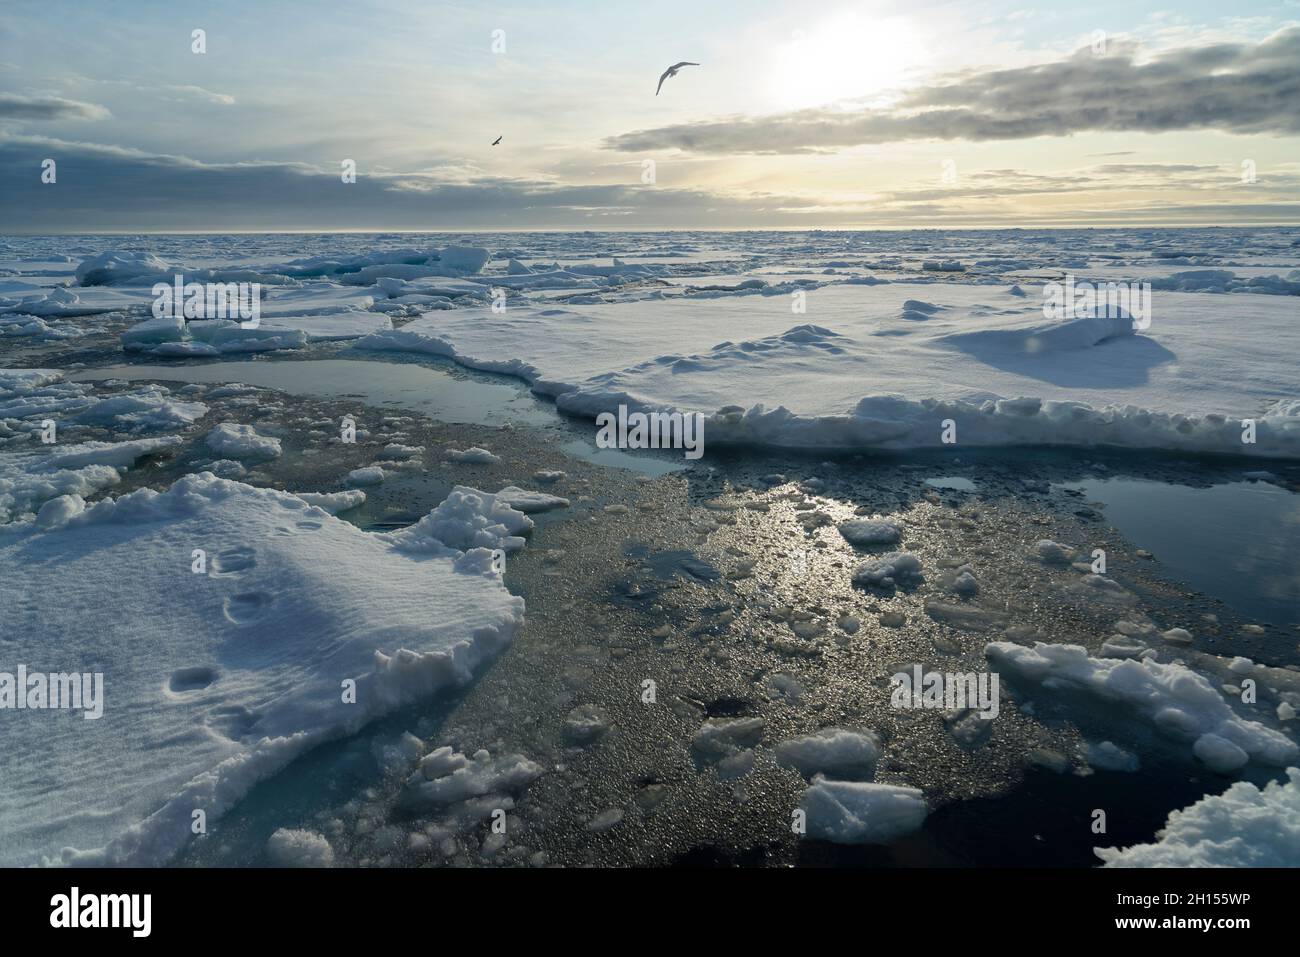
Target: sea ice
[215,681]
[863,533]
[530,502]
[473,456]
[1245,826]
[1108,756]
[29,480]
[833,751]
[242,442]
[370,475]
[334,502]
[854,812]
[888,570]
[861,376]
[1174,699]
[464,778]
[294,848]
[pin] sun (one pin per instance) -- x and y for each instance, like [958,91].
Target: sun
[849,56]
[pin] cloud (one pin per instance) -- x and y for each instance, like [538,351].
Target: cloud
[108,188]
[15,106]
[198,92]
[1243,88]
[1146,178]
[103,187]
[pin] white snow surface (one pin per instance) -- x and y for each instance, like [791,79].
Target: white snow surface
[855,812]
[294,848]
[1245,826]
[1169,697]
[832,751]
[237,441]
[893,333]
[865,533]
[29,480]
[214,682]
[860,373]
[530,502]
[334,502]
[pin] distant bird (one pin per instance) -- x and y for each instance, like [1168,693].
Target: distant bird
[672,71]
[497,140]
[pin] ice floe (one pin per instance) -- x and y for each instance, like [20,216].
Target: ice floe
[855,812]
[1169,697]
[295,848]
[889,570]
[861,376]
[530,502]
[1245,826]
[864,533]
[334,502]
[239,441]
[835,752]
[29,480]
[216,681]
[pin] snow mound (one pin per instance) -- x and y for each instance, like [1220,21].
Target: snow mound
[464,259]
[467,519]
[237,441]
[1082,333]
[1245,826]
[114,268]
[334,502]
[917,310]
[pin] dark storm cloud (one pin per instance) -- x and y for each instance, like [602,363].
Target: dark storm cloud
[14,106]
[1231,87]
[101,187]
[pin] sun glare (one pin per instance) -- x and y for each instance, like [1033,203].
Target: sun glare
[849,56]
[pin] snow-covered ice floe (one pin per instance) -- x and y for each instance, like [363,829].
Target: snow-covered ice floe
[857,812]
[1168,697]
[866,374]
[886,345]
[35,394]
[1245,826]
[216,680]
[30,482]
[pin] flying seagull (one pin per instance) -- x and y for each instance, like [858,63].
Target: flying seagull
[672,71]
[497,140]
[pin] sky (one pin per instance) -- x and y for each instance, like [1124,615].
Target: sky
[810,114]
